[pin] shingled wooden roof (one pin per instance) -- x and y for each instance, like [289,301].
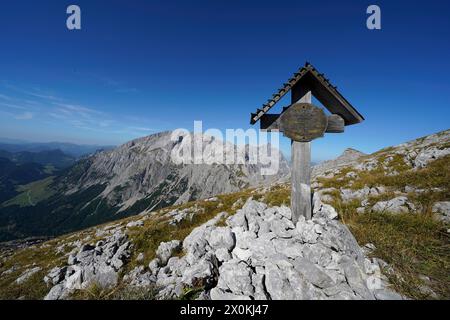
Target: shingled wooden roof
[308,77]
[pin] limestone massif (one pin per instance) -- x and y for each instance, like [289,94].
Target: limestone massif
[143,170]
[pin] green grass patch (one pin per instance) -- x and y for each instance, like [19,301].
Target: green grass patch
[412,244]
[32,193]
[33,288]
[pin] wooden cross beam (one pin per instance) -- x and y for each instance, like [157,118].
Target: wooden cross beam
[303,122]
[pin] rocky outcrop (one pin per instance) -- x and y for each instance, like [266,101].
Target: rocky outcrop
[97,264]
[348,157]
[397,205]
[261,254]
[400,161]
[27,274]
[166,250]
[429,154]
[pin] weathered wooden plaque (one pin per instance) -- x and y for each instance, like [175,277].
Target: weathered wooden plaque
[303,122]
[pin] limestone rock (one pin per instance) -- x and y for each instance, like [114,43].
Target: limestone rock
[235,276]
[137,223]
[428,155]
[442,211]
[397,205]
[27,274]
[55,276]
[167,249]
[99,264]
[313,273]
[203,273]
[222,237]
[154,266]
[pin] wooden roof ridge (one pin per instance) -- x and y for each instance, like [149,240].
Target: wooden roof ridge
[351,115]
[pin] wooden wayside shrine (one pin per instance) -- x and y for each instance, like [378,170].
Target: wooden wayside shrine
[303,122]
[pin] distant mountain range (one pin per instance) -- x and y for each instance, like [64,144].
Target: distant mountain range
[71,149]
[55,158]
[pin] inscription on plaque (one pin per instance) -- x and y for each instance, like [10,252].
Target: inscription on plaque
[303,122]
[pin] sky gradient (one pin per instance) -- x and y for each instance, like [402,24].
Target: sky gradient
[139,67]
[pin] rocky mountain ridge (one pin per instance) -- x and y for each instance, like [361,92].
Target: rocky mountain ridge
[391,180]
[142,169]
[348,157]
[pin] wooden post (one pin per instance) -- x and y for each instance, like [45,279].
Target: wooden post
[301,175]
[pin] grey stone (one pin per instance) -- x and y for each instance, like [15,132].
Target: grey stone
[370,246]
[238,220]
[167,249]
[138,278]
[313,273]
[270,258]
[140,257]
[399,204]
[56,293]
[72,259]
[241,254]
[223,255]
[355,279]
[75,280]
[203,273]
[285,212]
[282,227]
[55,276]
[306,230]
[326,211]
[27,274]
[258,283]
[351,175]
[178,266]
[137,223]
[287,247]
[428,155]
[347,158]
[98,264]
[243,239]
[276,283]
[236,277]
[341,292]
[154,265]
[222,237]
[442,211]
[318,254]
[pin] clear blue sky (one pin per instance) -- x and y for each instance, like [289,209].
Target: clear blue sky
[139,67]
